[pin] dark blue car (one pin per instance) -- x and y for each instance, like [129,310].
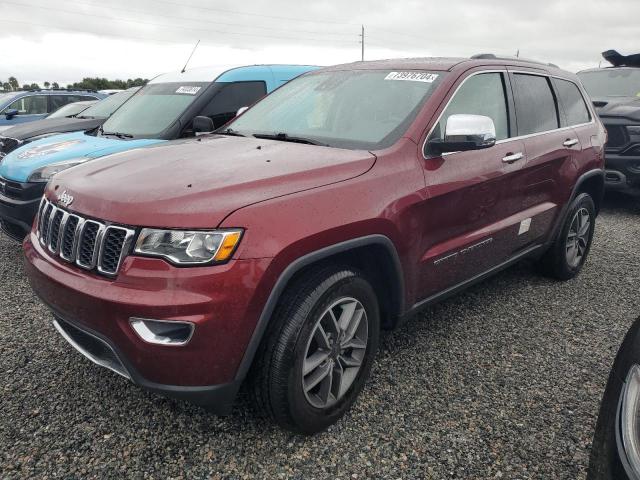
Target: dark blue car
[29,105]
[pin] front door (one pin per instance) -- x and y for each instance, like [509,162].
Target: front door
[472,217]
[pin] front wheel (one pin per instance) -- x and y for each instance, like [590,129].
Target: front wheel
[324,338]
[568,253]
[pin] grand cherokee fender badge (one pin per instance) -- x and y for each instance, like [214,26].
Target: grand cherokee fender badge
[65,199]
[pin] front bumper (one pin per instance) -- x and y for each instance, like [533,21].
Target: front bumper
[623,173]
[94,312]
[19,204]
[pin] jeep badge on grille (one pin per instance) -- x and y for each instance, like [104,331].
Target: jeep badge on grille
[65,199]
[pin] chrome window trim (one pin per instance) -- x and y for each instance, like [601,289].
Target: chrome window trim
[510,139]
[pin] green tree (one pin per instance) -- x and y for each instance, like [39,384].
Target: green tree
[47,84]
[55,85]
[6,86]
[13,81]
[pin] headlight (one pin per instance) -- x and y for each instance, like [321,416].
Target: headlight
[188,247]
[633,129]
[44,174]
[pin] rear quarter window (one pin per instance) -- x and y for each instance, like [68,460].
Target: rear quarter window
[536,108]
[573,103]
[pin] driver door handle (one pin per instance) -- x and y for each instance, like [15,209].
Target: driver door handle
[570,142]
[513,157]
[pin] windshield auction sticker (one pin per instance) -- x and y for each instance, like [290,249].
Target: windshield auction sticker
[188,90]
[412,76]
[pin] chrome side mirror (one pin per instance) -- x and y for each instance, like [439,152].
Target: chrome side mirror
[464,133]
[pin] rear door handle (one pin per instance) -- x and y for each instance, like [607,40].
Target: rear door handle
[570,142]
[513,157]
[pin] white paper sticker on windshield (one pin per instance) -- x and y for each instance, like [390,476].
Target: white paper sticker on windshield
[188,90]
[412,76]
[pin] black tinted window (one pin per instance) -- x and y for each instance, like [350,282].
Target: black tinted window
[535,104]
[573,104]
[480,95]
[231,97]
[31,105]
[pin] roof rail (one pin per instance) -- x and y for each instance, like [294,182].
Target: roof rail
[492,56]
[61,90]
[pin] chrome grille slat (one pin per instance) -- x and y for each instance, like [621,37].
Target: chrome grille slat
[89,244]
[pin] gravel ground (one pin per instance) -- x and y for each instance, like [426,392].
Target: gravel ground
[503,381]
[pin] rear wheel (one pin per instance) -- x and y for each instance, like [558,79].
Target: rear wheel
[323,341]
[568,253]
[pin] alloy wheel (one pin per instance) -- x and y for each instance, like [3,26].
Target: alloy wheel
[578,237]
[335,352]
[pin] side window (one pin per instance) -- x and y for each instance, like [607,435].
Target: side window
[32,105]
[482,94]
[231,97]
[536,107]
[572,101]
[58,101]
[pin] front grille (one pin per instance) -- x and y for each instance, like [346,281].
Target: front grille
[617,136]
[11,189]
[90,244]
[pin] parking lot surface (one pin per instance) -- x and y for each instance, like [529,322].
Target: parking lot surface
[503,381]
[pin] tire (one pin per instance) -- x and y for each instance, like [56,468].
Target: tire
[281,387]
[559,261]
[608,459]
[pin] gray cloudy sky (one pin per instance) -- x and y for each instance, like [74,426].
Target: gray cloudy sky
[65,41]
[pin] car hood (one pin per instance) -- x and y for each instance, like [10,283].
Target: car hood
[197,183]
[24,131]
[20,163]
[625,107]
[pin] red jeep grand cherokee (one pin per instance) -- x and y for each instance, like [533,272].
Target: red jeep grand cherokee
[274,251]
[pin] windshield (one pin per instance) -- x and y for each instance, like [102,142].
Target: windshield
[357,109]
[104,108]
[5,97]
[153,109]
[614,82]
[70,109]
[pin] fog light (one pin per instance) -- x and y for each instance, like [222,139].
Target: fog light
[630,418]
[163,332]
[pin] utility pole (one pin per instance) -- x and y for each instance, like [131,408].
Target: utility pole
[362,43]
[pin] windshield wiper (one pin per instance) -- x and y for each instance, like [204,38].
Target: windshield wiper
[283,137]
[85,117]
[230,131]
[115,134]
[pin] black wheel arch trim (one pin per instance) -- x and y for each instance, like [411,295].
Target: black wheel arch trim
[598,172]
[305,261]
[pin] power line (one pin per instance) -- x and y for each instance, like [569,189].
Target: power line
[178,27]
[236,12]
[200,20]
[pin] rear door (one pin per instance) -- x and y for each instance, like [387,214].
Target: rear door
[551,150]
[472,214]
